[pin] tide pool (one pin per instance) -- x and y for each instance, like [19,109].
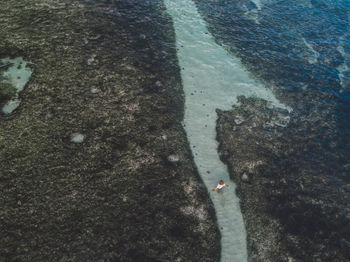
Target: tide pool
[17,75]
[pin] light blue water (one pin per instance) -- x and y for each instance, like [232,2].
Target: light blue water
[302,49]
[212,79]
[18,74]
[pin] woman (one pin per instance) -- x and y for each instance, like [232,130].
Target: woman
[220,186]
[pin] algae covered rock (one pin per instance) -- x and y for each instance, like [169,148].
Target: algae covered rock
[113,197]
[297,195]
[7,91]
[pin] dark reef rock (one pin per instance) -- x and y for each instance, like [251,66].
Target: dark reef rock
[7,91]
[295,202]
[113,197]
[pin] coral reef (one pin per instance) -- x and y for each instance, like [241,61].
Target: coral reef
[104,73]
[294,196]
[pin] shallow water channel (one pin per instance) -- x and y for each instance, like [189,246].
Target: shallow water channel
[212,78]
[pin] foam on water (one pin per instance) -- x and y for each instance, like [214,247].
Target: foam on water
[18,74]
[258,4]
[343,68]
[312,55]
[212,79]
[253,15]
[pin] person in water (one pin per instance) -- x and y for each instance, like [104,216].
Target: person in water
[220,186]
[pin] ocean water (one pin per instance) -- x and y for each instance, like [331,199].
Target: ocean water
[297,46]
[301,50]
[212,79]
[293,53]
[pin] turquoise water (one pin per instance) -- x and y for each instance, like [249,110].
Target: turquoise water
[301,49]
[18,74]
[212,78]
